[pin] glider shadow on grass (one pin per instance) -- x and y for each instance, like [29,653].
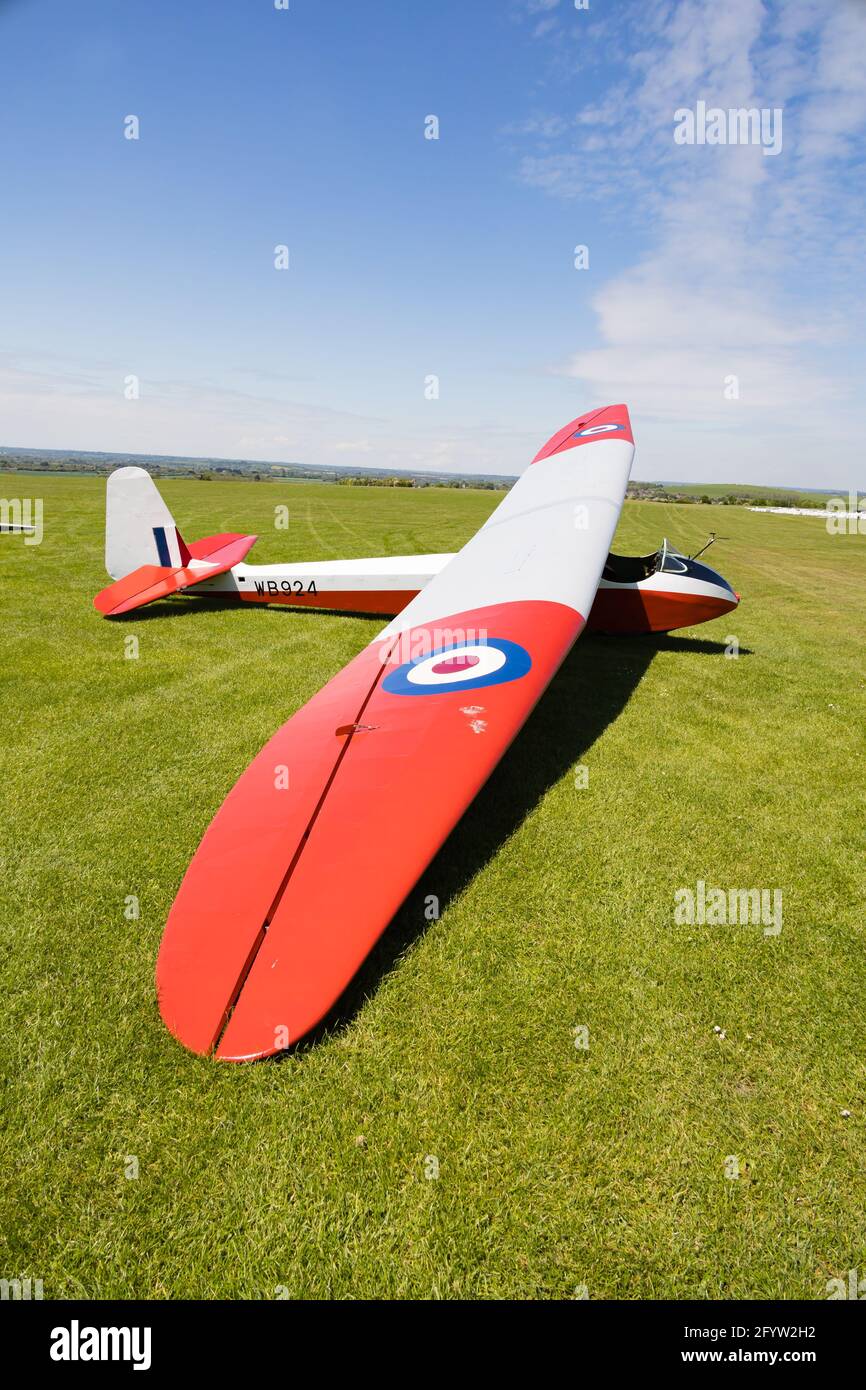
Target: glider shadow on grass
[591,689]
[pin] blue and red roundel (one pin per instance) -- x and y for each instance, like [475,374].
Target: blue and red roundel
[597,429]
[460,666]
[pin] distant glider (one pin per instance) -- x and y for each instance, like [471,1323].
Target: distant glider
[329,828]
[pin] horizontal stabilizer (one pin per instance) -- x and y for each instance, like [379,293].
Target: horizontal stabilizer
[150,582]
[218,549]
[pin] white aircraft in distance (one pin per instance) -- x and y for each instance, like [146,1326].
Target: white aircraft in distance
[297,877]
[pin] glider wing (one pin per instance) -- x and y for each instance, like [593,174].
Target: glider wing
[328,829]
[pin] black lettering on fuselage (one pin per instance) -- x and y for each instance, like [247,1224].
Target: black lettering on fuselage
[285,586]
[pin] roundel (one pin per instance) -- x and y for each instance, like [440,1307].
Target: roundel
[460,666]
[596,429]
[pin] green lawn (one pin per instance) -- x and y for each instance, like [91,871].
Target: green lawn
[559,1167]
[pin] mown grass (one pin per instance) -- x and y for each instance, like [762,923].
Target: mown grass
[559,1167]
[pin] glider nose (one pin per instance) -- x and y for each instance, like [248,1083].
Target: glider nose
[733,599]
[703,573]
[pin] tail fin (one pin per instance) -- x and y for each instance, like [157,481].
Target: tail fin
[139,528]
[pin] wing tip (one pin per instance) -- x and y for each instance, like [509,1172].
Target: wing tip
[605,422]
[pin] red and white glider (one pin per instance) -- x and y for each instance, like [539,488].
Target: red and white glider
[148,559]
[314,849]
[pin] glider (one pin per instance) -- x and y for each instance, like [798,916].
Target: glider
[148,559]
[329,828]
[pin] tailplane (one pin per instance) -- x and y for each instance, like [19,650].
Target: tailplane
[146,555]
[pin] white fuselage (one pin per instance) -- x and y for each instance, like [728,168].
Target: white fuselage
[388,574]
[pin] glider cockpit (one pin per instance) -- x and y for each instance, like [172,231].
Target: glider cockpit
[630,569]
[659,592]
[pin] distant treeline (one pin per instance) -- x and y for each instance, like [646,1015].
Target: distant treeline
[405,480]
[745,497]
[26,463]
[31,462]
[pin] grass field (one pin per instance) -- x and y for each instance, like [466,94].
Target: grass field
[560,1167]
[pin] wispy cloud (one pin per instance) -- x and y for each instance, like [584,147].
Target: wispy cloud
[541,14]
[85,408]
[749,273]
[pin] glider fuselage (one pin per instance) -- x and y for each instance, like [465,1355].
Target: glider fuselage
[680,593]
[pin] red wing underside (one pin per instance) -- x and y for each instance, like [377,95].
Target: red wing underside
[329,828]
[150,582]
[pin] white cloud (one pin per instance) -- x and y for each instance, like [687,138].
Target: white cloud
[544,27]
[749,275]
[545,127]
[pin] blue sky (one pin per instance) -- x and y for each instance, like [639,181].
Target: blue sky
[451,257]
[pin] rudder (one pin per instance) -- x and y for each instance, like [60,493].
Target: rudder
[139,528]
